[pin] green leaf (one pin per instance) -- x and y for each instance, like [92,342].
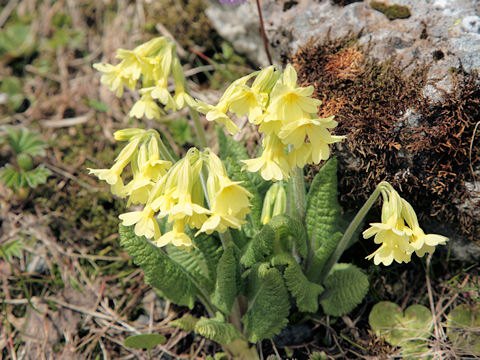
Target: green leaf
[13,88]
[321,256]
[228,285]
[275,234]
[230,148]
[193,262]
[16,40]
[9,176]
[186,323]
[37,176]
[98,105]
[268,304]
[11,249]
[170,278]
[346,286]
[323,216]
[401,329]
[304,291]
[217,329]
[461,324]
[144,341]
[23,141]
[200,260]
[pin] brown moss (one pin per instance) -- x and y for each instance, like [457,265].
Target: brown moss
[428,163]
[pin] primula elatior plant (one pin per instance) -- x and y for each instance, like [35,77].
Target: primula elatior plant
[242,236]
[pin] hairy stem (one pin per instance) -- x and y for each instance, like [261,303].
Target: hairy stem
[352,227]
[298,182]
[199,130]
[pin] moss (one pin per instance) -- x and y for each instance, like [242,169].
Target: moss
[392,12]
[429,164]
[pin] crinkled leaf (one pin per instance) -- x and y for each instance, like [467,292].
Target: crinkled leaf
[168,277]
[217,329]
[323,216]
[321,256]
[268,303]
[304,291]
[186,323]
[275,233]
[345,287]
[228,284]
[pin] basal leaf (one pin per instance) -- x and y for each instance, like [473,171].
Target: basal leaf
[217,329]
[345,287]
[167,276]
[304,291]
[228,284]
[268,303]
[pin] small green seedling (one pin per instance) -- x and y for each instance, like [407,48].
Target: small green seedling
[409,330]
[463,328]
[20,174]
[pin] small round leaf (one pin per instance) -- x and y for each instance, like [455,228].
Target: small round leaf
[144,341]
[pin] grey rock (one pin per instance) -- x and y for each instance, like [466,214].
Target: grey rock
[448,28]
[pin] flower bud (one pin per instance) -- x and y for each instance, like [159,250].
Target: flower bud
[275,203]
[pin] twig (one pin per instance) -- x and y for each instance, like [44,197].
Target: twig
[67,122]
[431,301]
[470,155]
[275,349]
[264,35]
[7,10]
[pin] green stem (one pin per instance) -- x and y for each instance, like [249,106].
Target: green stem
[352,227]
[199,130]
[298,181]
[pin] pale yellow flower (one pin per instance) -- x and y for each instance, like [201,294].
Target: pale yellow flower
[421,242]
[289,102]
[146,106]
[176,236]
[391,233]
[144,221]
[273,163]
[112,175]
[114,78]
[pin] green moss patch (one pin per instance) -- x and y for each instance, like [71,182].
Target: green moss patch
[392,12]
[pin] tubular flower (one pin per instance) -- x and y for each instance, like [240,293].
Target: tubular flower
[112,175]
[145,224]
[285,112]
[421,242]
[398,240]
[176,236]
[229,201]
[273,163]
[146,106]
[289,101]
[151,63]
[391,233]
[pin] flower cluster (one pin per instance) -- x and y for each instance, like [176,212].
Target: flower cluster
[399,232]
[286,113]
[174,191]
[152,62]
